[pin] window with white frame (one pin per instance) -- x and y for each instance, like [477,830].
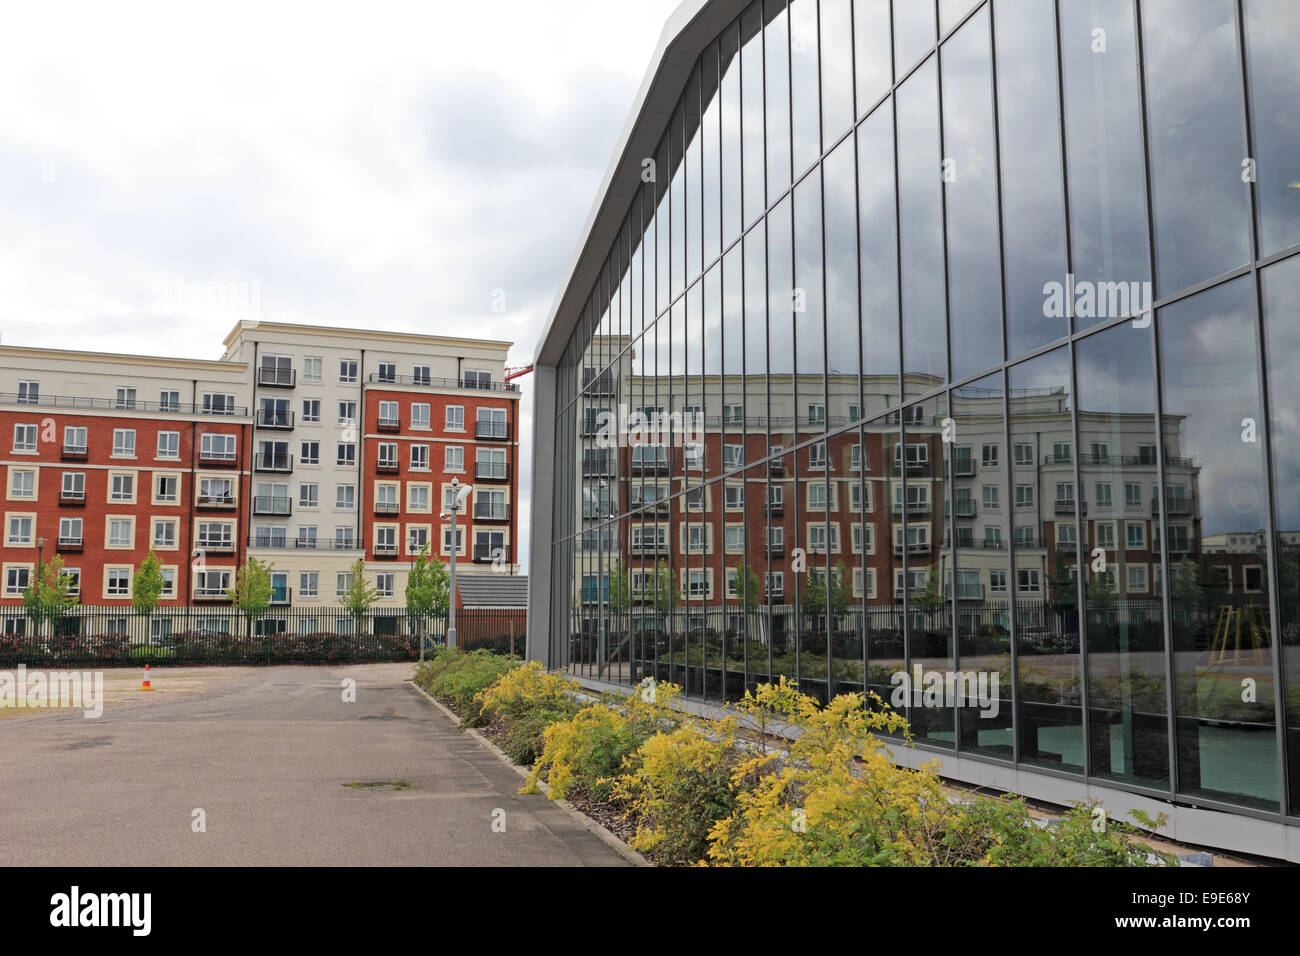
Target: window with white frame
[309,453]
[22,483]
[29,393]
[817,455]
[734,538]
[455,421]
[308,494]
[75,439]
[117,582]
[387,454]
[345,496]
[311,368]
[417,497]
[125,398]
[20,529]
[389,414]
[164,533]
[420,415]
[346,454]
[384,583]
[218,403]
[70,531]
[74,485]
[17,580]
[310,411]
[217,447]
[308,584]
[344,537]
[420,375]
[1027,580]
[453,458]
[387,372]
[24,438]
[347,370]
[123,488]
[734,497]
[419,457]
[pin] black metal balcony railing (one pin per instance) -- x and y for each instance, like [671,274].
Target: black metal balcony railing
[387,424]
[385,549]
[494,471]
[913,507]
[964,508]
[68,497]
[216,500]
[649,464]
[649,547]
[1058,459]
[775,548]
[912,547]
[271,418]
[69,542]
[279,505]
[215,545]
[387,465]
[217,456]
[489,511]
[281,595]
[210,594]
[276,377]
[1174,505]
[963,467]
[112,404]
[491,431]
[1065,506]
[265,461]
[271,541]
[375,378]
[970,592]
[75,451]
[281,542]
[486,553]
[657,506]
[602,384]
[776,468]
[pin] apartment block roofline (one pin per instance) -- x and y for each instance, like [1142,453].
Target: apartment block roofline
[79,355]
[689,29]
[370,335]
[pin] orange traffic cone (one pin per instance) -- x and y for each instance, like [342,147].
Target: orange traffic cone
[146,685]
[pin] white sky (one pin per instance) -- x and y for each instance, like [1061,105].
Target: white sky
[381,165]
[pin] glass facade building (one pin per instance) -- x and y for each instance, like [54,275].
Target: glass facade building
[949,338]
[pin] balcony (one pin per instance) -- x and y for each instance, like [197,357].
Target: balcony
[112,404]
[643,465]
[385,550]
[425,381]
[775,549]
[216,500]
[485,553]
[75,452]
[913,467]
[493,471]
[1174,505]
[490,511]
[913,547]
[215,545]
[275,542]
[387,466]
[388,424]
[776,507]
[281,596]
[491,431]
[776,469]
[273,462]
[76,498]
[964,508]
[913,507]
[387,508]
[963,467]
[276,377]
[206,595]
[69,543]
[649,547]
[1058,459]
[660,506]
[970,592]
[273,505]
[274,420]
[213,456]
[1065,506]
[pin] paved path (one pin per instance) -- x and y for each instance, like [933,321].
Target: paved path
[267,754]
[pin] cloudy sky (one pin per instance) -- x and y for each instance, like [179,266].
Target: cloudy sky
[379,165]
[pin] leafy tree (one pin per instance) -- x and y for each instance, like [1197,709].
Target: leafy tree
[931,599]
[252,591]
[147,586]
[1187,587]
[620,589]
[1061,589]
[667,594]
[841,590]
[749,590]
[428,589]
[1100,589]
[359,596]
[49,596]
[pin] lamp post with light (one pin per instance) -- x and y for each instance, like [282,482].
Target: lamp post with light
[460,494]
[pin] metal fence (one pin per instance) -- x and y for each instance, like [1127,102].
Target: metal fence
[109,636]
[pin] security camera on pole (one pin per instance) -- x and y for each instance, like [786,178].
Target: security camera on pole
[460,495]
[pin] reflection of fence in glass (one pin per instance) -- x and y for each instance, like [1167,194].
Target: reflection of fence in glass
[223,635]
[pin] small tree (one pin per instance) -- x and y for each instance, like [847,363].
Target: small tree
[147,586]
[49,596]
[749,591]
[667,594]
[428,589]
[841,590]
[252,591]
[620,589]
[359,596]
[931,599]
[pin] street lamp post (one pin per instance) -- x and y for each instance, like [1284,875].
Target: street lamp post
[40,551]
[460,494]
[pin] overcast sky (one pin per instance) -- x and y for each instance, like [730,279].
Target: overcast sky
[380,165]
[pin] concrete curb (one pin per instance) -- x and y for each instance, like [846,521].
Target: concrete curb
[607,837]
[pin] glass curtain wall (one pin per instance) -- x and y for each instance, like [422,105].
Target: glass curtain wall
[947,351]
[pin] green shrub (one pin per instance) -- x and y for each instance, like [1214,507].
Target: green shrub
[458,678]
[681,788]
[525,736]
[589,750]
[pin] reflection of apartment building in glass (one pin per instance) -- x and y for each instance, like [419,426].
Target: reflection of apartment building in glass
[306,447]
[895,260]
